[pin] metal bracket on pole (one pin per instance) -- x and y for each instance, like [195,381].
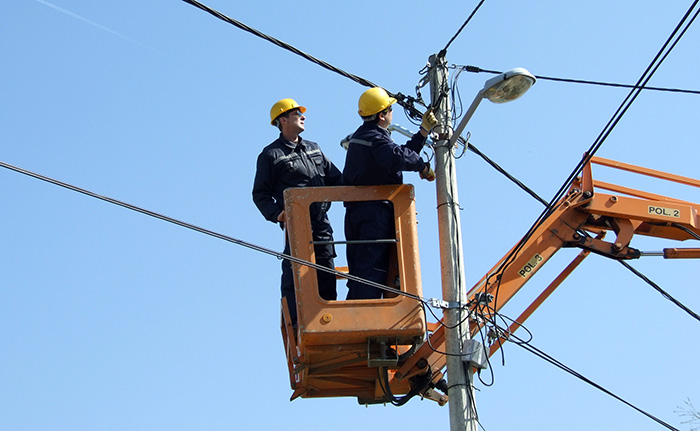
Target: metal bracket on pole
[439,303]
[445,137]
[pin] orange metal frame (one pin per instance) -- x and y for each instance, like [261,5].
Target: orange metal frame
[329,353]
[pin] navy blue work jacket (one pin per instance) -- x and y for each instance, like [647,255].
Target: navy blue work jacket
[374,159]
[284,164]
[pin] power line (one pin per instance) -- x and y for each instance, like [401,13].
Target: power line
[444,50]
[661,291]
[279,43]
[491,316]
[686,230]
[663,53]
[208,232]
[475,69]
[505,173]
[405,101]
[537,352]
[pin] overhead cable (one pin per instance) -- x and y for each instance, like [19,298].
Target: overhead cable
[405,101]
[500,169]
[279,43]
[209,232]
[444,50]
[661,291]
[475,69]
[537,352]
[663,53]
[686,230]
[491,316]
[658,60]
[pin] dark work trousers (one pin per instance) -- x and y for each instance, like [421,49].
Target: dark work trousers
[368,221]
[324,256]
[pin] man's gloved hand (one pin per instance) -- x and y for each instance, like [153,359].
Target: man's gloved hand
[427,173]
[429,121]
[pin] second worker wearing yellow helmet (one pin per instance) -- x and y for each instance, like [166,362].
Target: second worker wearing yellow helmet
[374,159]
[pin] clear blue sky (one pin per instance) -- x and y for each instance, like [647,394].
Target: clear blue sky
[111,320]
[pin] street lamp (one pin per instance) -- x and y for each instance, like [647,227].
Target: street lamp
[503,88]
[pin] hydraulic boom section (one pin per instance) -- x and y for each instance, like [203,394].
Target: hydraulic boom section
[581,219]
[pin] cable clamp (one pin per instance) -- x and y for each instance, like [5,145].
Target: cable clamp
[483,298]
[441,139]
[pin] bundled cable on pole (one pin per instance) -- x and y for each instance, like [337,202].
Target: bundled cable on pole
[405,101]
[279,43]
[475,69]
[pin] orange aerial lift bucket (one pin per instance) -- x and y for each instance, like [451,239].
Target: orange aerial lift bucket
[344,347]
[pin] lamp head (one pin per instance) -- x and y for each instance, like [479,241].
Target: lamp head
[508,85]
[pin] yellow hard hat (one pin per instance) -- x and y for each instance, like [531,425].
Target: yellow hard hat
[283,106]
[373,101]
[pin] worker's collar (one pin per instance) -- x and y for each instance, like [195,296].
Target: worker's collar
[291,144]
[377,127]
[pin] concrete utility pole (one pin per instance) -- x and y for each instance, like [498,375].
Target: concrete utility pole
[454,291]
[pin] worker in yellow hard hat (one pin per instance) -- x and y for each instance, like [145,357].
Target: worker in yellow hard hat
[374,159]
[291,161]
